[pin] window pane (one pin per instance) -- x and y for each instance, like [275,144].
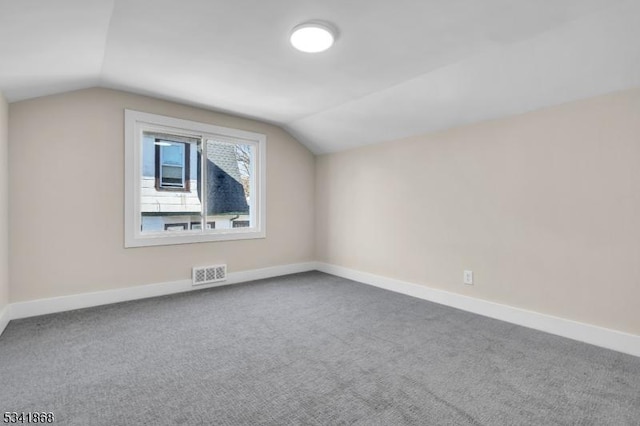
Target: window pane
[172,175]
[174,209]
[229,168]
[172,154]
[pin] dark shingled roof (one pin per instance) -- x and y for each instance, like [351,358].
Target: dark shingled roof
[225,193]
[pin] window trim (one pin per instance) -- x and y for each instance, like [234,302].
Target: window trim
[135,122]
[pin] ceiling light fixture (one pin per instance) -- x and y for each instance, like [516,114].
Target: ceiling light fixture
[313,36]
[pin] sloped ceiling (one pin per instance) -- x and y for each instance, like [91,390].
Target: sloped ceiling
[397,69]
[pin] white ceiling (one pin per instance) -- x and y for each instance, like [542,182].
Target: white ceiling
[397,69]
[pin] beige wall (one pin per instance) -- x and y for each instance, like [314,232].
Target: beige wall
[4,203]
[67,154]
[543,207]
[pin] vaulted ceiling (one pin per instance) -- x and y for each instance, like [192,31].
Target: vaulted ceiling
[398,68]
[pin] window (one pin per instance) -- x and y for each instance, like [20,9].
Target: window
[198,225]
[172,165]
[175,226]
[189,182]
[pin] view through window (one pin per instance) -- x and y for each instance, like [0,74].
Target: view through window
[177,197]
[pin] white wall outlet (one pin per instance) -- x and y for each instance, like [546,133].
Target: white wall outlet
[467,277]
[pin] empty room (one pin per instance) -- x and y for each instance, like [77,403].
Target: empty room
[418,212]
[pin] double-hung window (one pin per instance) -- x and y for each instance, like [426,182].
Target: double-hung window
[188,182]
[172,170]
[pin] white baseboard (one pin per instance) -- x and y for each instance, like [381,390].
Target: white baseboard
[86,300]
[5,317]
[599,336]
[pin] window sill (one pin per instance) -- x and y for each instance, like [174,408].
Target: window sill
[150,240]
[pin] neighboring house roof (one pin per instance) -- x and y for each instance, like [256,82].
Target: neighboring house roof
[224,156]
[225,193]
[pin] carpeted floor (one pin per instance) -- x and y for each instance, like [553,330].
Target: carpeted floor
[308,349]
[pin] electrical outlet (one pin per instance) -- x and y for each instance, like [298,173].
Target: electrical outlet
[467,277]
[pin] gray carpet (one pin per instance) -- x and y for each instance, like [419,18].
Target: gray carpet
[307,349]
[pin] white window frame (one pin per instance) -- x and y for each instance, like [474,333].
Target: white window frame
[136,123]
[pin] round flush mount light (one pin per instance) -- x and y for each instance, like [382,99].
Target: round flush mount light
[313,36]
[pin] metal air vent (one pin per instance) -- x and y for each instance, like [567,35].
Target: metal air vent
[209,274]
